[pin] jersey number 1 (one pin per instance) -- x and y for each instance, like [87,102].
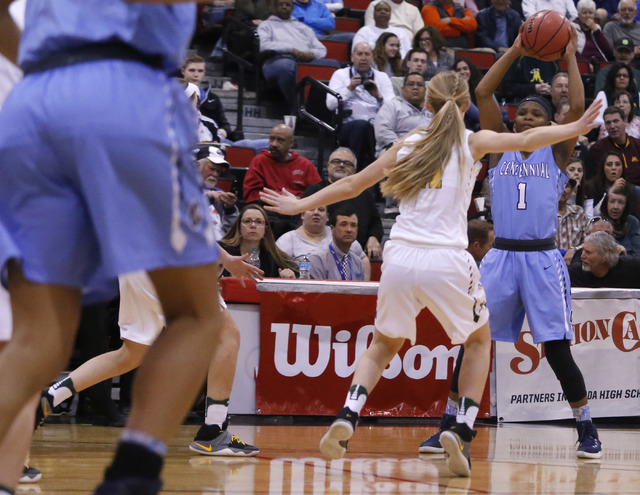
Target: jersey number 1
[522,196]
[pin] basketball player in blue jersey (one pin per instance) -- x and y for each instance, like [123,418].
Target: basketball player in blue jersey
[98,180]
[524,272]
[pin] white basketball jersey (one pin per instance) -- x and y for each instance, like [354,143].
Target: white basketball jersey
[437,217]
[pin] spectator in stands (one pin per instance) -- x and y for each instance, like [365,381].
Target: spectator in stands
[566,7]
[453,21]
[334,5]
[284,41]
[363,90]
[222,204]
[431,41]
[481,236]
[575,171]
[609,173]
[342,163]
[403,14]
[625,26]
[572,221]
[596,224]
[279,168]
[386,55]
[381,17]
[528,76]
[623,54]
[601,265]
[623,100]
[592,43]
[252,12]
[626,227]
[401,115]
[620,77]
[315,14]
[470,73]
[252,230]
[336,261]
[416,62]
[212,111]
[559,89]
[618,141]
[498,26]
[314,234]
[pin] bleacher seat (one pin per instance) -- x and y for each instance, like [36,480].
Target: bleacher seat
[347,24]
[337,50]
[239,156]
[483,60]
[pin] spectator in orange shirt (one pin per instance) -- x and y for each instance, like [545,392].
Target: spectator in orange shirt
[453,21]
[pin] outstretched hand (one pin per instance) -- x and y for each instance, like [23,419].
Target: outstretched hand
[284,203]
[237,267]
[587,121]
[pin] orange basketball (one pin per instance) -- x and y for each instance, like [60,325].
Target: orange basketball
[546,34]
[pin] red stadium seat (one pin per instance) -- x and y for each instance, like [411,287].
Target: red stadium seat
[337,50]
[239,156]
[483,60]
[347,24]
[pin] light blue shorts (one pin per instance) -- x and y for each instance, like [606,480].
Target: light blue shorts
[531,282]
[98,177]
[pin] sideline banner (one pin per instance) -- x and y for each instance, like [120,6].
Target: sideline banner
[605,347]
[310,342]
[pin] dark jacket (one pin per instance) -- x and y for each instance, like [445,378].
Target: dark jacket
[625,275]
[487,27]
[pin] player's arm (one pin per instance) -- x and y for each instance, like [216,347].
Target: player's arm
[287,204]
[490,115]
[9,33]
[562,151]
[530,140]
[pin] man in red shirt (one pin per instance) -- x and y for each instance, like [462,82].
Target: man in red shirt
[277,168]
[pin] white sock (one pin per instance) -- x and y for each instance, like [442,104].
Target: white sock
[216,411]
[467,412]
[356,397]
[61,391]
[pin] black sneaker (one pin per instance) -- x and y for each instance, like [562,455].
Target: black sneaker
[334,444]
[213,440]
[432,444]
[131,485]
[30,475]
[589,446]
[456,442]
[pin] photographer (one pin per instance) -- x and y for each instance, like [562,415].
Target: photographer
[363,90]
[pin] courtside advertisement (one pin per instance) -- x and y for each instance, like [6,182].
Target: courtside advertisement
[309,345]
[606,348]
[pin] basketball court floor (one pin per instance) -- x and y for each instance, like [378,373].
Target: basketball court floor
[382,459]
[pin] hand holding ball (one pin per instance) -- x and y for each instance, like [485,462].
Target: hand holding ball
[546,34]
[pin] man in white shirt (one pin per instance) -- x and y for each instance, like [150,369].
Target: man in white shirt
[566,7]
[363,90]
[403,14]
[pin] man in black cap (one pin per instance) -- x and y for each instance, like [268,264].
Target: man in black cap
[623,49]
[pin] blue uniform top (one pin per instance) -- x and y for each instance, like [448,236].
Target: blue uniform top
[58,25]
[525,194]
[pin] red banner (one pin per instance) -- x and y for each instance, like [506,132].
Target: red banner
[309,344]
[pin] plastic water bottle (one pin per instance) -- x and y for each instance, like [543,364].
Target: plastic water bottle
[304,266]
[254,259]
[504,111]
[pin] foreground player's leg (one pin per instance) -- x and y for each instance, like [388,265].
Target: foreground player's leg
[559,356]
[368,372]
[473,378]
[169,377]
[432,444]
[213,438]
[96,370]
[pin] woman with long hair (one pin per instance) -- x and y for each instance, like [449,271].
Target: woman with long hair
[386,55]
[431,172]
[616,208]
[624,100]
[470,73]
[575,171]
[610,173]
[619,78]
[431,41]
[253,231]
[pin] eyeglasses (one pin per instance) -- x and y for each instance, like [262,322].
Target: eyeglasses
[622,75]
[249,221]
[599,219]
[337,161]
[415,84]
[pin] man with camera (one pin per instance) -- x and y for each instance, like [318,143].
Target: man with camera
[363,90]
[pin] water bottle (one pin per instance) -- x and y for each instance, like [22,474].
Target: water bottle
[304,266]
[504,111]
[254,259]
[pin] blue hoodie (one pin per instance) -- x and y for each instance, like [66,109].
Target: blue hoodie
[316,15]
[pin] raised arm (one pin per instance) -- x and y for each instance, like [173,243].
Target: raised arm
[563,151]
[532,139]
[490,115]
[287,204]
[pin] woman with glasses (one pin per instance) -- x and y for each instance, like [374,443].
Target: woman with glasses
[616,208]
[252,230]
[431,41]
[619,78]
[609,174]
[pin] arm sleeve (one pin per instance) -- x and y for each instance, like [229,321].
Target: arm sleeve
[265,32]
[385,87]
[338,84]
[324,22]
[317,48]
[484,34]
[466,25]
[368,15]
[385,124]
[253,183]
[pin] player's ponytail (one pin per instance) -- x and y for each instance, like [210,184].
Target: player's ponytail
[446,94]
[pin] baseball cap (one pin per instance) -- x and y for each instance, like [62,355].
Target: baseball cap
[623,43]
[214,155]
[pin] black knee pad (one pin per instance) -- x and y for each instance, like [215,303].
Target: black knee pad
[558,353]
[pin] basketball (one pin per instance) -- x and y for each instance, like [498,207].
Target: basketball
[546,34]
